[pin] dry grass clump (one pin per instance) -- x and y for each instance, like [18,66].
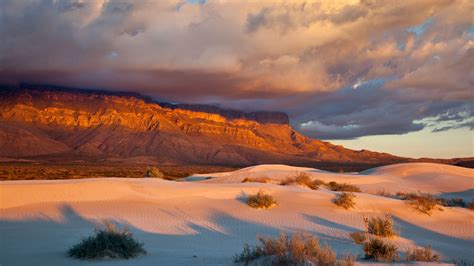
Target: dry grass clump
[302,179]
[376,249]
[358,237]
[296,249]
[421,254]
[380,226]
[261,200]
[108,242]
[345,200]
[334,186]
[153,171]
[423,202]
[257,180]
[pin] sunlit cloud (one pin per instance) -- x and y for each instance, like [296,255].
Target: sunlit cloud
[352,68]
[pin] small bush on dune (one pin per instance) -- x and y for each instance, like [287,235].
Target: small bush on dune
[257,180]
[378,250]
[380,226]
[358,237]
[302,179]
[108,242]
[423,202]
[421,254]
[334,186]
[153,171]
[345,200]
[261,200]
[296,249]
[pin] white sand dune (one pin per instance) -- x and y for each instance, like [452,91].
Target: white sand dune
[432,178]
[210,219]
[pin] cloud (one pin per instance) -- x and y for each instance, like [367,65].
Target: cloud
[352,68]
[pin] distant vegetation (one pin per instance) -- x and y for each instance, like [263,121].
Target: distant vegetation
[296,249]
[47,171]
[108,242]
[302,179]
[380,226]
[345,200]
[261,200]
[334,186]
[378,250]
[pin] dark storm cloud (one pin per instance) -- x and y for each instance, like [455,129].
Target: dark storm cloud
[370,109]
[340,70]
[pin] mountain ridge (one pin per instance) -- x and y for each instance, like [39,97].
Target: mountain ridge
[41,120]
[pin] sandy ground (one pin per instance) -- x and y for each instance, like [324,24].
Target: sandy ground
[207,222]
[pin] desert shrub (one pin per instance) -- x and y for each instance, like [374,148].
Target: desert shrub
[384,193]
[296,249]
[153,171]
[470,205]
[347,259]
[302,179]
[421,254]
[402,195]
[453,202]
[261,200]
[334,186]
[378,250]
[358,237]
[249,254]
[108,242]
[422,202]
[380,226]
[345,200]
[257,180]
[463,263]
[319,182]
[287,181]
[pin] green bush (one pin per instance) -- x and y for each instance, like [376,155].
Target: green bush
[378,250]
[380,226]
[345,200]
[153,171]
[296,249]
[261,200]
[108,242]
[334,186]
[421,254]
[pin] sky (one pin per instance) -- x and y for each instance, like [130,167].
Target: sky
[391,76]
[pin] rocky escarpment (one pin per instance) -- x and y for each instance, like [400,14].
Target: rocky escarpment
[39,120]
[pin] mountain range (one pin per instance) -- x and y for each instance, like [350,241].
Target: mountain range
[41,121]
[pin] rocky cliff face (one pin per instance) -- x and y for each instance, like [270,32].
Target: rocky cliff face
[37,120]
